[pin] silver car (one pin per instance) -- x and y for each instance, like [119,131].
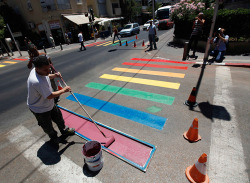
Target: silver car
[130,29]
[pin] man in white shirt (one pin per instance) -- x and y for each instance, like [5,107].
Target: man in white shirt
[81,41]
[151,35]
[41,99]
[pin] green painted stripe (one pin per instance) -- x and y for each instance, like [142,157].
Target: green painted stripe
[133,93]
[118,43]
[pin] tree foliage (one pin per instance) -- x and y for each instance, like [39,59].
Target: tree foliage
[2,27]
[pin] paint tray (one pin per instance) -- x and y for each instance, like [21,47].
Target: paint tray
[129,149]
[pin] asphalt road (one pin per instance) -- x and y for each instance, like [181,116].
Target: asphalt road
[223,94]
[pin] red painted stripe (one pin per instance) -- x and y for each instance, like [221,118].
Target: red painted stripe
[93,44]
[238,64]
[19,59]
[161,60]
[153,65]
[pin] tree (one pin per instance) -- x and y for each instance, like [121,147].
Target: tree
[1,27]
[131,9]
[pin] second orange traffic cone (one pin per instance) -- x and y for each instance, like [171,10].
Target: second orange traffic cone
[143,43]
[192,134]
[192,99]
[59,86]
[197,172]
[120,43]
[134,44]
[126,43]
[136,37]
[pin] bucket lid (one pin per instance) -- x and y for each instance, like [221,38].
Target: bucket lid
[91,148]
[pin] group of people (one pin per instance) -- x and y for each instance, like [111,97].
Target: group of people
[220,39]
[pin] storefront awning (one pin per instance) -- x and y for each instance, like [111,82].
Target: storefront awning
[79,19]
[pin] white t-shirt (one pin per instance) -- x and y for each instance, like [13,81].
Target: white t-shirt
[80,37]
[151,29]
[39,88]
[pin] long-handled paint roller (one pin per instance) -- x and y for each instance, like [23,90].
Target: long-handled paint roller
[111,139]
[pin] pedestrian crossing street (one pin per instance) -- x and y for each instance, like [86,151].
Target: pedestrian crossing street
[165,69]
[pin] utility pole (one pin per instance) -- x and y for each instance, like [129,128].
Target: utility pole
[212,28]
[14,40]
[153,7]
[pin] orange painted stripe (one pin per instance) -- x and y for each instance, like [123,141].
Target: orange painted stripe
[157,66]
[160,60]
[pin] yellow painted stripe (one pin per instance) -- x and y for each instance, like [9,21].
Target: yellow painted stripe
[110,43]
[157,73]
[2,65]
[9,62]
[104,43]
[142,81]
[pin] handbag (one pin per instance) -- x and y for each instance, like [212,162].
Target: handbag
[156,38]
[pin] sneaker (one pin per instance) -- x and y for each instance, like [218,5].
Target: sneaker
[69,131]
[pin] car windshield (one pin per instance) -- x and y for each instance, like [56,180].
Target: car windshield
[127,27]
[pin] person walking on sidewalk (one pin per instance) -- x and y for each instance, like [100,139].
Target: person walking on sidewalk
[221,41]
[151,35]
[81,41]
[116,34]
[52,41]
[196,33]
[40,99]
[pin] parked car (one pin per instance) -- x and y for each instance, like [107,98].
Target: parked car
[165,24]
[145,26]
[130,29]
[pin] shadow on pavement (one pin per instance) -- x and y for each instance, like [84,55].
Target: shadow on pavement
[89,173]
[214,111]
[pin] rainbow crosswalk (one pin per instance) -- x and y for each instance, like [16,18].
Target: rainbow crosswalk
[7,62]
[162,69]
[105,43]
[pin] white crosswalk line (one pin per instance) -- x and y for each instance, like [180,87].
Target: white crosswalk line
[64,171]
[226,159]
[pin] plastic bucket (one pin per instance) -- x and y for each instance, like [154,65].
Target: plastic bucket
[92,153]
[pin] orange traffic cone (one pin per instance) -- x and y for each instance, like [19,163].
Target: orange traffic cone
[120,43]
[136,37]
[126,43]
[192,134]
[143,43]
[134,44]
[59,86]
[197,172]
[192,99]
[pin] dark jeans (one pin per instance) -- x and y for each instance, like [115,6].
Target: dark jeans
[82,45]
[151,38]
[116,35]
[45,121]
[193,38]
[218,55]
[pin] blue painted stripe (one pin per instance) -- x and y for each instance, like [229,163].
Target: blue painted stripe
[128,42]
[144,118]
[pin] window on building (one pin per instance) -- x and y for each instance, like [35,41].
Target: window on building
[29,6]
[48,5]
[78,1]
[114,5]
[63,4]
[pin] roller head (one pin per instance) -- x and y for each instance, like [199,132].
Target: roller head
[110,140]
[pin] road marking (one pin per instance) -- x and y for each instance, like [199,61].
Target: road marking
[9,62]
[141,117]
[19,59]
[104,43]
[156,73]
[110,43]
[226,160]
[118,43]
[150,82]
[96,43]
[2,65]
[133,93]
[159,60]
[154,65]
[63,171]
[128,42]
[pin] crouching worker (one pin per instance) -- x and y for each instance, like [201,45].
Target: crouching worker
[41,99]
[221,43]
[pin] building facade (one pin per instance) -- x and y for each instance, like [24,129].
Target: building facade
[56,17]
